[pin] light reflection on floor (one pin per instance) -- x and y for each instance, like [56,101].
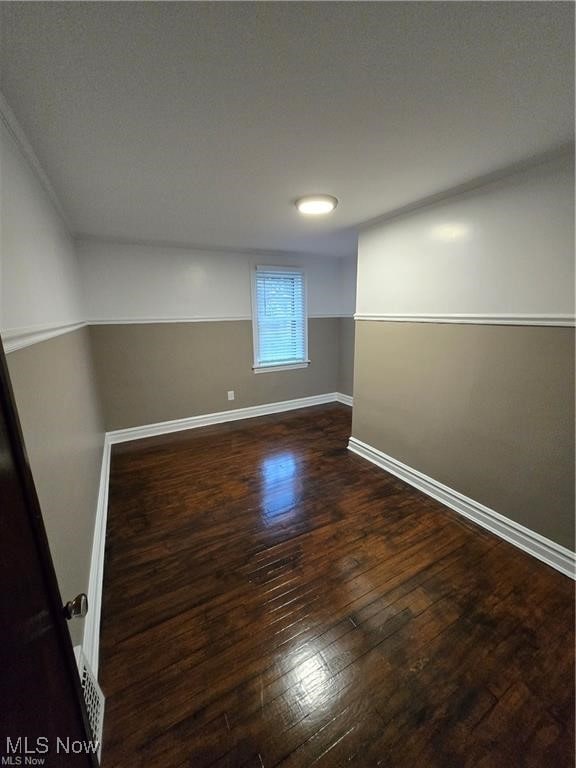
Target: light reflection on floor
[313,682]
[279,486]
[311,687]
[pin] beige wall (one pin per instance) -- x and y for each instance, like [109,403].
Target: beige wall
[154,372]
[346,369]
[488,410]
[57,402]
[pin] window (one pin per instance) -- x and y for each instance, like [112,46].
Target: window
[279,319]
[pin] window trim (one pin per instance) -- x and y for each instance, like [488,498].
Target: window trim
[285,366]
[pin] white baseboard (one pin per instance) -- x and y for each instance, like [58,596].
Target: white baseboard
[206,420]
[535,544]
[91,640]
[345,399]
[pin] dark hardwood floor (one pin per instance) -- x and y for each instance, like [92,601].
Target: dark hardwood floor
[271,599]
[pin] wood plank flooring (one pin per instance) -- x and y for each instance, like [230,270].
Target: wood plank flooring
[271,599]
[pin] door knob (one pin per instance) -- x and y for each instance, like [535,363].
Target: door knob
[77,608]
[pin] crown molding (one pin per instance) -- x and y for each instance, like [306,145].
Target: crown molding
[558,153]
[552,320]
[257,253]
[10,122]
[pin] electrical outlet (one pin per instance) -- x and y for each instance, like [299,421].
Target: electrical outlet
[231,394]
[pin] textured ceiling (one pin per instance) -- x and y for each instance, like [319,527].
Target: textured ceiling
[199,123]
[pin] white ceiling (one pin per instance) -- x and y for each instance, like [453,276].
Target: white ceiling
[199,123]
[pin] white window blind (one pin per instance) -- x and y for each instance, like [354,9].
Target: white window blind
[279,317]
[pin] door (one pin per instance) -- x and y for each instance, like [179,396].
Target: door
[43,719]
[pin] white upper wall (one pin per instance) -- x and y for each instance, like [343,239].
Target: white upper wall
[348,269]
[505,248]
[39,275]
[152,283]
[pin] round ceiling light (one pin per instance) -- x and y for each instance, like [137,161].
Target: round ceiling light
[316,205]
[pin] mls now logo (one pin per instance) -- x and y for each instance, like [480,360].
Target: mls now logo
[25,751]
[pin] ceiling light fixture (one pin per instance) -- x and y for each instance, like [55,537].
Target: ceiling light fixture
[316,205]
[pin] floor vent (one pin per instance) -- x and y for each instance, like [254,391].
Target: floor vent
[93,697]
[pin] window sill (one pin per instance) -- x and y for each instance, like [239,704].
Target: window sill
[280,367]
